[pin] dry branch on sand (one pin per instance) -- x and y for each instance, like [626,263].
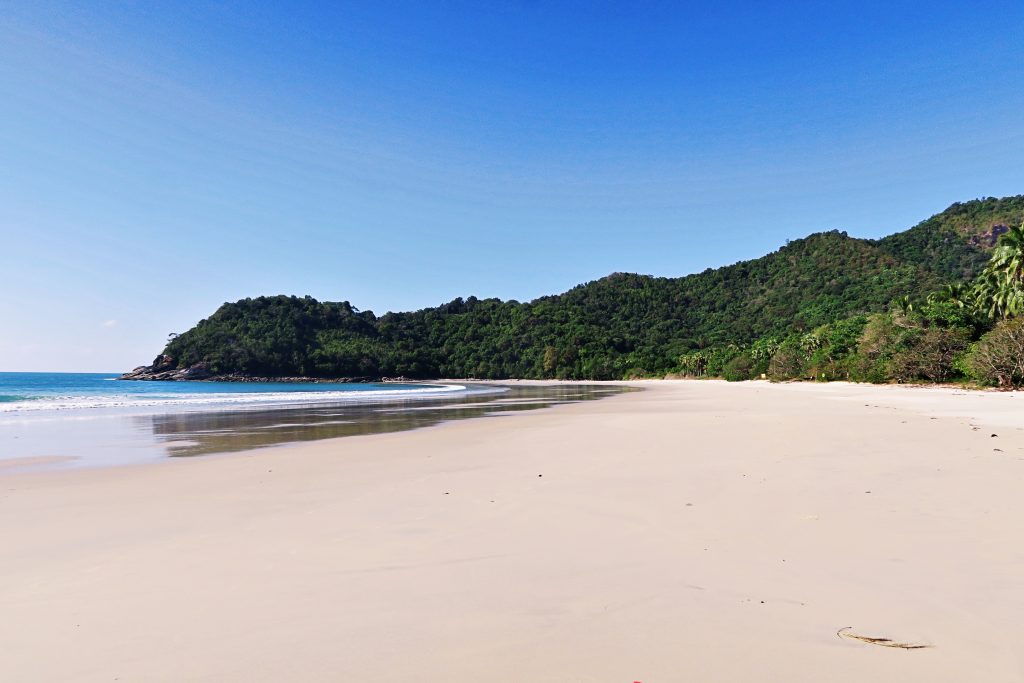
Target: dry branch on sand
[844,632]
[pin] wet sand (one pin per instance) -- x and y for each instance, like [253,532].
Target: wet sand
[694,531]
[105,437]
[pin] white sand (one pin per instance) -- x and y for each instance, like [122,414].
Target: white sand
[697,531]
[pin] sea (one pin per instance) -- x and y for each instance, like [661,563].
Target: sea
[73,420]
[25,392]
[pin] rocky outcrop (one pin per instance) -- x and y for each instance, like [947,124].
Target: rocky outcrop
[988,239]
[165,369]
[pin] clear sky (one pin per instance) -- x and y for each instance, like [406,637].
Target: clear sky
[160,158]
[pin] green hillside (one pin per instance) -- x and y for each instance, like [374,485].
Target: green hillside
[608,328]
[956,242]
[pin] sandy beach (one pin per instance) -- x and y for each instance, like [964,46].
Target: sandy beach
[695,531]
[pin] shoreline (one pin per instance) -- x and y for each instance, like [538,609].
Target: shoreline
[133,432]
[698,529]
[177,376]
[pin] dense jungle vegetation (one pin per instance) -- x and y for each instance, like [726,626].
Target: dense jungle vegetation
[937,302]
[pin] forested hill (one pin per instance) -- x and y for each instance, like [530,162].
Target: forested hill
[956,242]
[606,329]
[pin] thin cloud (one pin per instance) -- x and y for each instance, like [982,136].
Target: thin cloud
[109,323]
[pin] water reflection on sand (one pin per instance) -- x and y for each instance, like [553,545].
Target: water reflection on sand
[189,434]
[102,438]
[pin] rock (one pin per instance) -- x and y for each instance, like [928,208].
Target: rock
[165,369]
[163,366]
[162,363]
[197,371]
[989,238]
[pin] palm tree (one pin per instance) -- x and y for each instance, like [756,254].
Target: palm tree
[957,294]
[905,304]
[1000,287]
[1008,256]
[810,342]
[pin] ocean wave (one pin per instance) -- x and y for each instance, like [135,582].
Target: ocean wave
[241,400]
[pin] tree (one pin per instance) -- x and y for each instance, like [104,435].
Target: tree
[550,360]
[958,294]
[998,358]
[929,355]
[1000,287]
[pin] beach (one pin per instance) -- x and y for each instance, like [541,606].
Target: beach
[695,530]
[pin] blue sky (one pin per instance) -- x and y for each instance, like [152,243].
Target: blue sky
[159,159]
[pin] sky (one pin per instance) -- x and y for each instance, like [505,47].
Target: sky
[160,158]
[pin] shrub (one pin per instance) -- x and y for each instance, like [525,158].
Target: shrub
[830,371]
[882,338]
[788,362]
[998,357]
[929,355]
[718,359]
[739,368]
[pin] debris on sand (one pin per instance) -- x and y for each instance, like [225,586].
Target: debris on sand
[844,632]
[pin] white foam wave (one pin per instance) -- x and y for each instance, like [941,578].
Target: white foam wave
[240,399]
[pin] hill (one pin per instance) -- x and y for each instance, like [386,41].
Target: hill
[956,242]
[603,329]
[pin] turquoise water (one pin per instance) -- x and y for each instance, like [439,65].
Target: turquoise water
[23,392]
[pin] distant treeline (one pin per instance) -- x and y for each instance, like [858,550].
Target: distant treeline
[936,302]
